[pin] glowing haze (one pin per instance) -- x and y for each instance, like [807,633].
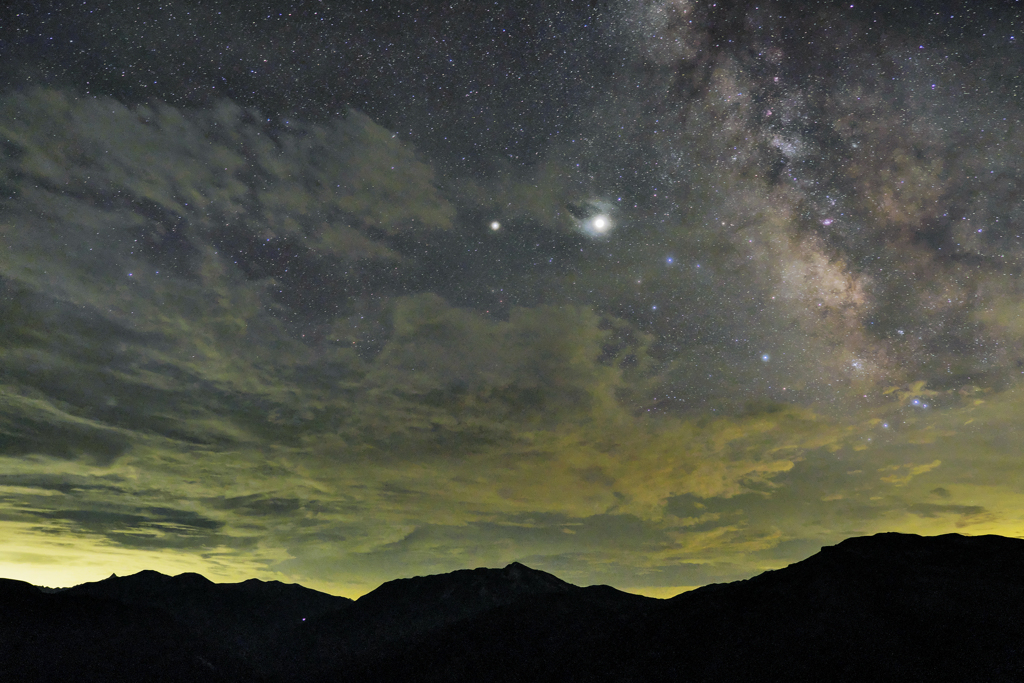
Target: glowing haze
[651,293]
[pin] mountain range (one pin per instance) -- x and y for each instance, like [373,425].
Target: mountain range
[889,607]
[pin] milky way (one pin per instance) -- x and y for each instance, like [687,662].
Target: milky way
[653,293]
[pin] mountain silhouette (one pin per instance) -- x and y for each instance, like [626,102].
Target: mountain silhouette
[408,607]
[245,617]
[404,612]
[889,607]
[58,638]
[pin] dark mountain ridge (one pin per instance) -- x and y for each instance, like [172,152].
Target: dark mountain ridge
[246,618]
[407,613]
[890,607]
[190,596]
[405,608]
[55,637]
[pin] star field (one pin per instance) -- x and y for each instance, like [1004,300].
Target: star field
[654,293]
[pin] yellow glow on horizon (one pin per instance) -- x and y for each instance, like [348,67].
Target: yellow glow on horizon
[70,561]
[660,592]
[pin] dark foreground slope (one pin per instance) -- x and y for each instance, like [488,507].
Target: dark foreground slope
[890,607]
[887,607]
[60,638]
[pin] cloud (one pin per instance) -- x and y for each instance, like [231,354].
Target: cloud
[106,199]
[902,474]
[224,338]
[257,505]
[34,426]
[968,514]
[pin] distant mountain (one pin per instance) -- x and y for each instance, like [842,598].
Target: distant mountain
[406,608]
[59,638]
[404,612]
[244,618]
[890,607]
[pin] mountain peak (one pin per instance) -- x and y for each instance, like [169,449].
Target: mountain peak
[516,569]
[404,608]
[484,586]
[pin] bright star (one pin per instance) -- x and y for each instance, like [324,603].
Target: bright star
[601,224]
[593,217]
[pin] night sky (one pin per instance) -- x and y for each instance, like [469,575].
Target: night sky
[653,293]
